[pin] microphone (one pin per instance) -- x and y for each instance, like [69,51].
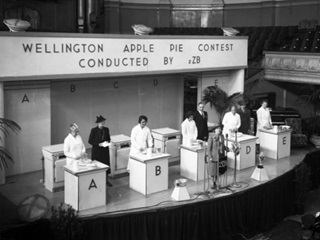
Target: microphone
[227,148]
[235,135]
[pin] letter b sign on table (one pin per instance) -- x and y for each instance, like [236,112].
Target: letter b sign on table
[157,170]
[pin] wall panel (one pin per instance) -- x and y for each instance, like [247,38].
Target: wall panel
[242,17]
[289,15]
[30,108]
[229,81]
[120,100]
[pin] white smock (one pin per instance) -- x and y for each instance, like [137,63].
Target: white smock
[230,121]
[189,131]
[141,138]
[263,120]
[73,148]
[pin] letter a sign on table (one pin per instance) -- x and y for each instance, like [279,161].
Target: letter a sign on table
[92,184]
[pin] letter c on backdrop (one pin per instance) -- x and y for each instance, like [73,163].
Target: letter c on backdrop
[116,84]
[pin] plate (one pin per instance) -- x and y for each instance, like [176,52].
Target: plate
[91,165]
[239,134]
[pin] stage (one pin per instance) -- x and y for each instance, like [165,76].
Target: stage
[128,214]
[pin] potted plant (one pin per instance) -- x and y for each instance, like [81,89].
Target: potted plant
[310,98]
[66,224]
[220,100]
[6,126]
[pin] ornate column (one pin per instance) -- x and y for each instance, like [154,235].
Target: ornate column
[2,143]
[164,13]
[112,13]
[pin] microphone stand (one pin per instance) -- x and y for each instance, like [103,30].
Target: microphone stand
[235,184]
[205,192]
[227,187]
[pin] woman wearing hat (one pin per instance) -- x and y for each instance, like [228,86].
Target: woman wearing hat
[73,146]
[99,139]
[216,149]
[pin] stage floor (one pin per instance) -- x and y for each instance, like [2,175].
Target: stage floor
[121,199]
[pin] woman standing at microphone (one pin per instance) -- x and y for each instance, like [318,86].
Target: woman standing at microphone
[216,149]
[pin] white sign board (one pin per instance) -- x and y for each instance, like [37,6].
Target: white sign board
[44,55]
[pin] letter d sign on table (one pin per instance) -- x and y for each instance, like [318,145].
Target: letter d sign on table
[158,170]
[248,149]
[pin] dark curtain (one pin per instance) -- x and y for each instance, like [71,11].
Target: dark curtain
[254,210]
[248,212]
[313,160]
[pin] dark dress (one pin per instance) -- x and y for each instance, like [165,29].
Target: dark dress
[202,125]
[216,152]
[98,153]
[245,120]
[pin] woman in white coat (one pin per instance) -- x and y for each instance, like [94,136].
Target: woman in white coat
[141,138]
[73,146]
[189,129]
[263,118]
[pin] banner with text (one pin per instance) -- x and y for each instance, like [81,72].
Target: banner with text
[27,55]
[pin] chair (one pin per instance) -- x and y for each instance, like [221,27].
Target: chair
[298,139]
[303,24]
[313,23]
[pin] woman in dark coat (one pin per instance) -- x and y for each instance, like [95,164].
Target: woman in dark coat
[245,118]
[216,150]
[99,139]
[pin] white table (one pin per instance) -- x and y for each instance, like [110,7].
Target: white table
[247,156]
[54,160]
[275,144]
[192,162]
[168,140]
[149,174]
[85,187]
[119,154]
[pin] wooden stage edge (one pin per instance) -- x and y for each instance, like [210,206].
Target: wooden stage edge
[123,200]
